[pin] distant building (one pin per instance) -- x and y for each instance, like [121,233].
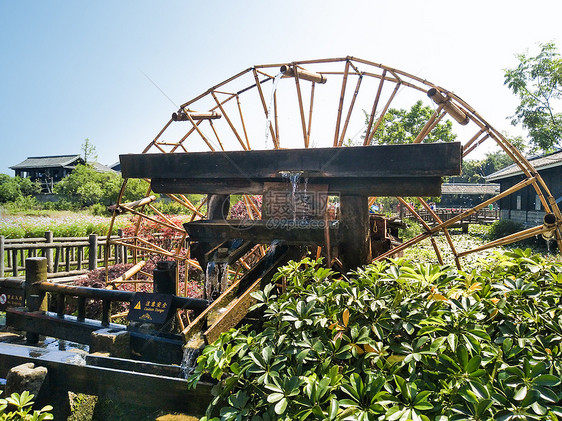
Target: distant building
[466,195]
[524,205]
[49,170]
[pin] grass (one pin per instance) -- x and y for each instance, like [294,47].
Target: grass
[423,252]
[61,223]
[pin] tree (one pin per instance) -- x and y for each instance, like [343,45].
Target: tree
[85,186]
[88,150]
[402,126]
[537,81]
[12,188]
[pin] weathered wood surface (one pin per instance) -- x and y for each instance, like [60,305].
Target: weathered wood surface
[162,349]
[68,372]
[261,231]
[434,159]
[366,186]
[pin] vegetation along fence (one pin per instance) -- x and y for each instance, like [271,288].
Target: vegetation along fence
[66,256]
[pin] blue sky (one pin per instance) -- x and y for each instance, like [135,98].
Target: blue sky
[71,70]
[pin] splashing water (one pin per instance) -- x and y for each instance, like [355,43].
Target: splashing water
[293,177]
[270,107]
[216,279]
[190,353]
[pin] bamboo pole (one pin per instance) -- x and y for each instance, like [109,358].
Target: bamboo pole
[216,135]
[473,139]
[156,221]
[141,202]
[350,110]
[403,246]
[482,205]
[340,105]
[127,275]
[242,121]
[196,127]
[301,109]
[157,137]
[367,140]
[185,136]
[466,151]
[185,203]
[229,121]
[383,112]
[264,105]
[445,231]
[430,125]
[521,235]
[425,225]
[185,115]
[452,109]
[276,117]
[296,72]
[312,88]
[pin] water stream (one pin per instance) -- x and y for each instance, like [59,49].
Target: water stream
[216,279]
[293,177]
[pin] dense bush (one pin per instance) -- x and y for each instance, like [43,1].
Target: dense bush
[397,341]
[85,187]
[12,188]
[504,227]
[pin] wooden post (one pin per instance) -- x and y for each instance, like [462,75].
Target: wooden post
[15,263]
[49,251]
[1,256]
[355,246]
[35,273]
[93,254]
[124,258]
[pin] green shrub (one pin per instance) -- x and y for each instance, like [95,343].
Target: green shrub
[504,227]
[22,204]
[97,209]
[397,341]
[22,405]
[413,229]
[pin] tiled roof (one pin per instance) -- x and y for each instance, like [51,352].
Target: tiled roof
[539,163]
[57,161]
[467,188]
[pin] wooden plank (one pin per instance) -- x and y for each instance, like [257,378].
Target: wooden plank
[355,246]
[68,372]
[234,291]
[433,159]
[163,348]
[365,186]
[261,231]
[238,308]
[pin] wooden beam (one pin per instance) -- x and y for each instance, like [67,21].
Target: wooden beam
[261,231]
[371,186]
[434,159]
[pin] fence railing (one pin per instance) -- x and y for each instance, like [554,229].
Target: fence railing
[483,216]
[66,256]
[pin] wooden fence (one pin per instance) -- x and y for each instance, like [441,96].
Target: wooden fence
[483,216]
[66,256]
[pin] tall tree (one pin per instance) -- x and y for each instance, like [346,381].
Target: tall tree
[537,81]
[88,150]
[402,126]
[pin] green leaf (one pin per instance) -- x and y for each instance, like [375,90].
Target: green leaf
[281,406]
[520,393]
